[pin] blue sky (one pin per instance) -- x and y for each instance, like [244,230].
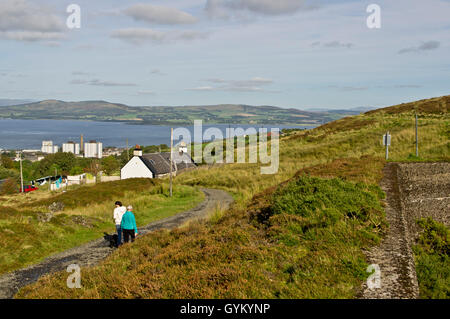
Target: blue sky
[288,53]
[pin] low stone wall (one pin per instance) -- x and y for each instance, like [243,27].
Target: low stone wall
[109,179]
[425,192]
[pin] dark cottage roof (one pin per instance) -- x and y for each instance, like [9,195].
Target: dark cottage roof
[159,163]
[182,161]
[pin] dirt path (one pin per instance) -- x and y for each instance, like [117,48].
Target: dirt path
[93,252]
[413,191]
[394,255]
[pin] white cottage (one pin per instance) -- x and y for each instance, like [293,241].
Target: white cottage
[155,165]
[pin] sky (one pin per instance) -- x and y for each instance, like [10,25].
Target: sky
[288,53]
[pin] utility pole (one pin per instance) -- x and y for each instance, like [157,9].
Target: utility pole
[171,159]
[417,136]
[21,173]
[128,153]
[387,148]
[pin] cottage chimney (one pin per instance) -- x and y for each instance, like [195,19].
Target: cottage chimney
[182,148]
[137,151]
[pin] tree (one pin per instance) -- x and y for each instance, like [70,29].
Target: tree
[7,162]
[6,173]
[76,170]
[63,162]
[94,167]
[110,165]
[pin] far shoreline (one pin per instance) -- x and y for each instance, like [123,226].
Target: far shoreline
[128,122]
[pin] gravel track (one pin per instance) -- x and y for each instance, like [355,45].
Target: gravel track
[413,191]
[95,251]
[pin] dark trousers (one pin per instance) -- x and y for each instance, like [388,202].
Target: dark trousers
[119,235]
[126,235]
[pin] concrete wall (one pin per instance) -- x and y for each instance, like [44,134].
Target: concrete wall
[109,178]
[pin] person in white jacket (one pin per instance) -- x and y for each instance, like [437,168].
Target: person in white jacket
[119,211]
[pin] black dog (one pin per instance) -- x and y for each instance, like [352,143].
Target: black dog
[112,239]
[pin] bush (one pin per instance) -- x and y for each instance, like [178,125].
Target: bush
[77,170]
[325,201]
[10,186]
[432,260]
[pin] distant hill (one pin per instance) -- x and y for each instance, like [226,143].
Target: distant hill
[166,115]
[6,102]
[350,111]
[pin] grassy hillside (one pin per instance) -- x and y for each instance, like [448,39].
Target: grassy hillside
[164,115]
[297,234]
[26,236]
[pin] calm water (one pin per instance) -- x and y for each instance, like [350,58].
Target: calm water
[29,134]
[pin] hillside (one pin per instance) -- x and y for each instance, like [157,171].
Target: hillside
[164,115]
[438,105]
[300,233]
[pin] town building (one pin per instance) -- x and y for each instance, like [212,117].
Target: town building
[93,149]
[112,151]
[156,165]
[71,147]
[49,148]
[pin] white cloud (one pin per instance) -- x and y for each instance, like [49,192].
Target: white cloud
[333,44]
[225,8]
[139,35]
[80,73]
[31,35]
[349,88]
[159,14]
[23,21]
[252,85]
[145,35]
[146,92]
[203,88]
[97,82]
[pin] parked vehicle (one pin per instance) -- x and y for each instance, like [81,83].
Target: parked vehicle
[29,188]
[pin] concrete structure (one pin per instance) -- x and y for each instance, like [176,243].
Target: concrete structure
[76,179]
[93,149]
[156,165]
[104,178]
[71,147]
[49,148]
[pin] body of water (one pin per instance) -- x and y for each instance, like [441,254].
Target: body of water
[29,134]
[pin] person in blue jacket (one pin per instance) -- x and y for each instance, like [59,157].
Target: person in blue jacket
[128,225]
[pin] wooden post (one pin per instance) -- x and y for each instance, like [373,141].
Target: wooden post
[21,173]
[417,136]
[128,153]
[171,146]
